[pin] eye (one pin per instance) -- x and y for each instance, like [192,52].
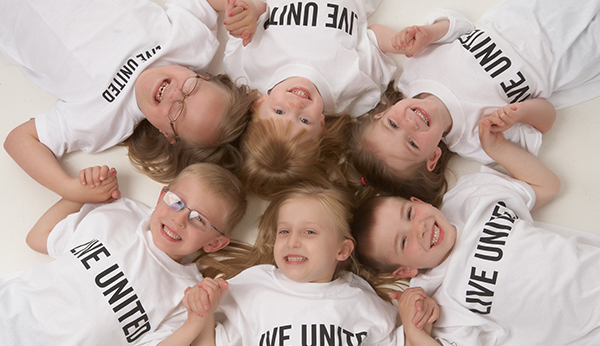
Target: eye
[413,144]
[403,242]
[196,216]
[279,111]
[304,121]
[409,213]
[283,231]
[310,231]
[392,124]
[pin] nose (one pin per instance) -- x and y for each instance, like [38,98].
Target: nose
[419,229]
[293,241]
[410,122]
[180,217]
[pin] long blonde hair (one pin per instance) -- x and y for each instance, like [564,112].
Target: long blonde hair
[338,202]
[151,153]
[274,159]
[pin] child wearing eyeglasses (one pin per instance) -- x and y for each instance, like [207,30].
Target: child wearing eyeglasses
[120,268]
[123,72]
[305,287]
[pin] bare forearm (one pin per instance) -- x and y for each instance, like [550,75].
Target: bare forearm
[38,235]
[524,166]
[539,113]
[23,145]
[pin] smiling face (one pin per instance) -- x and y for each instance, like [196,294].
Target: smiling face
[308,247]
[408,133]
[171,231]
[294,100]
[411,235]
[157,88]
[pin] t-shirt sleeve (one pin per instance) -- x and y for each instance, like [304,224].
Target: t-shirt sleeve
[459,24]
[64,230]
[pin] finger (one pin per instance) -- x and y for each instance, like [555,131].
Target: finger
[89,177]
[82,177]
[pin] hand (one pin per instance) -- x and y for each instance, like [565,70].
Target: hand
[412,40]
[416,306]
[94,185]
[506,117]
[205,297]
[241,18]
[491,141]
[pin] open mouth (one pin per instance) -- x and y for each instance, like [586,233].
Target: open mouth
[170,233]
[300,92]
[435,236]
[159,93]
[422,115]
[295,259]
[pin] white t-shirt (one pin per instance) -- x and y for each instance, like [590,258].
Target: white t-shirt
[326,42]
[508,280]
[89,55]
[518,50]
[263,307]
[108,285]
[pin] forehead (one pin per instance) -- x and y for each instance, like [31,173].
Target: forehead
[199,196]
[205,108]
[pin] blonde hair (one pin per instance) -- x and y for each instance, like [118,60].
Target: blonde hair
[151,153]
[274,159]
[339,203]
[370,175]
[225,185]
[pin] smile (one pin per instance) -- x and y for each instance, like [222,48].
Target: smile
[422,115]
[296,258]
[435,236]
[159,94]
[300,92]
[170,233]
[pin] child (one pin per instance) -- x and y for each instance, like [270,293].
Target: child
[116,66]
[325,66]
[498,277]
[119,267]
[522,59]
[306,287]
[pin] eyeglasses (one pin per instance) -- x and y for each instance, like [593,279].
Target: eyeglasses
[195,218]
[177,108]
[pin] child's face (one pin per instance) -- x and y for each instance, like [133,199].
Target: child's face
[171,230]
[408,133]
[411,235]
[294,100]
[308,247]
[157,88]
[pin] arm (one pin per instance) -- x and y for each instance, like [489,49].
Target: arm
[538,113]
[24,146]
[410,40]
[408,303]
[241,16]
[37,237]
[201,302]
[519,163]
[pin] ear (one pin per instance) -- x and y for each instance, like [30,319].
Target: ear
[404,272]
[433,158]
[162,193]
[323,122]
[345,250]
[256,105]
[416,200]
[216,244]
[378,115]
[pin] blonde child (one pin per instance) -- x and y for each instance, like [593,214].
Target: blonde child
[304,286]
[323,61]
[122,71]
[499,277]
[119,268]
[517,63]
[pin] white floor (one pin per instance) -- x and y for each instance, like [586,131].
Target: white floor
[570,149]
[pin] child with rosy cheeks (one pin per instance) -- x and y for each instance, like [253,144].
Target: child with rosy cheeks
[304,275]
[129,72]
[484,260]
[403,147]
[148,256]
